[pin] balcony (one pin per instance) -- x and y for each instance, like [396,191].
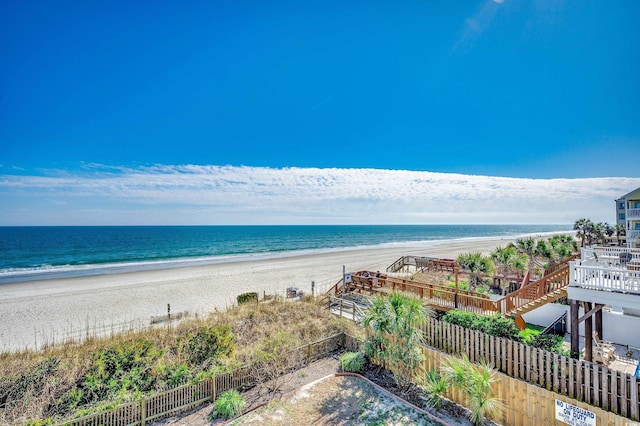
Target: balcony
[633,235]
[633,213]
[601,278]
[606,257]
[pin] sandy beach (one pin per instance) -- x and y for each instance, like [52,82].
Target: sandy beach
[49,311]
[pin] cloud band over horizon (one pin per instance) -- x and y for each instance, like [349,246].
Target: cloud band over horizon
[211,195]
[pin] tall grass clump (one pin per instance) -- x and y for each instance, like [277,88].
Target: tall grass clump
[352,361]
[229,404]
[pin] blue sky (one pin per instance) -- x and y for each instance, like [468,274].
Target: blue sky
[97,99]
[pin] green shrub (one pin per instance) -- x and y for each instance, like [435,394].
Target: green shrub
[461,318]
[548,342]
[352,361]
[229,404]
[496,325]
[119,372]
[500,326]
[211,342]
[247,297]
[43,422]
[530,332]
[174,375]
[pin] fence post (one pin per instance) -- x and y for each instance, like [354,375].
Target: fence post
[213,388]
[143,411]
[308,353]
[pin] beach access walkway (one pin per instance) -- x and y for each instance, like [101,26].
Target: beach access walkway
[551,287]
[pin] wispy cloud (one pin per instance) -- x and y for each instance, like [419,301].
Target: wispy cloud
[323,102]
[186,194]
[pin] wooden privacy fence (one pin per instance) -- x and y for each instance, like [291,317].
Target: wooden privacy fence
[163,404]
[584,381]
[524,403]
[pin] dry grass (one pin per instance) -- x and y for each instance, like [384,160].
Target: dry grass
[435,277]
[39,394]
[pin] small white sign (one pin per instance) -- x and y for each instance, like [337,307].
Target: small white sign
[347,278]
[574,416]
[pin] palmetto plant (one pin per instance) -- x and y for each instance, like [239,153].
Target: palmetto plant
[527,246]
[475,380]
[477,265]
[508,261]
[394,339]
[434,387]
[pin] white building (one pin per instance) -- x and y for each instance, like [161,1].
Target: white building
[628,215]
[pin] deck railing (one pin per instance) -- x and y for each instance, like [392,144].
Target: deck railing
[608,279]
[609,254]
[554,281]
[432,294]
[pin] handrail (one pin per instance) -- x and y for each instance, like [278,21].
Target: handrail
[562,319]
[433,294]
[547,284]
[419,262]
[599,278]
[347,306]
[396,266]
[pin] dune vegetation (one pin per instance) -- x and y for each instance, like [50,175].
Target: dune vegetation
[75,379]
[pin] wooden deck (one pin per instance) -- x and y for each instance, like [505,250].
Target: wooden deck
[435,296]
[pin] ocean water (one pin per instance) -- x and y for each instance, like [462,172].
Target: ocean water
[31,253]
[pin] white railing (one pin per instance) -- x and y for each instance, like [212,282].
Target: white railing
[607,279]
[633,235]
[609,254]
[632,213]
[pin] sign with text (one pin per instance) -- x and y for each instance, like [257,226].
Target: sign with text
[574,416]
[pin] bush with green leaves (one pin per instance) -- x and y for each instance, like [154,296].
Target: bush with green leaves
[247,297]
[461,318]
[549,342]
[229,404]
[174,375]
[120,372]
[352,361]
[496,325]
[42,422]
[209,343]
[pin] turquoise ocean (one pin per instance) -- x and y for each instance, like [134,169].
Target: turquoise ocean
[33,253]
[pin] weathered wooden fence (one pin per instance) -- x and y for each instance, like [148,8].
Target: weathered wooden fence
[584,381]
[164,404]
[524,403]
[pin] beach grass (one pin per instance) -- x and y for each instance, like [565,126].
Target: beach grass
[76,378]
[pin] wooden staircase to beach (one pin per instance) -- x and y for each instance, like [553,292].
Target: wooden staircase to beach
[551,287]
